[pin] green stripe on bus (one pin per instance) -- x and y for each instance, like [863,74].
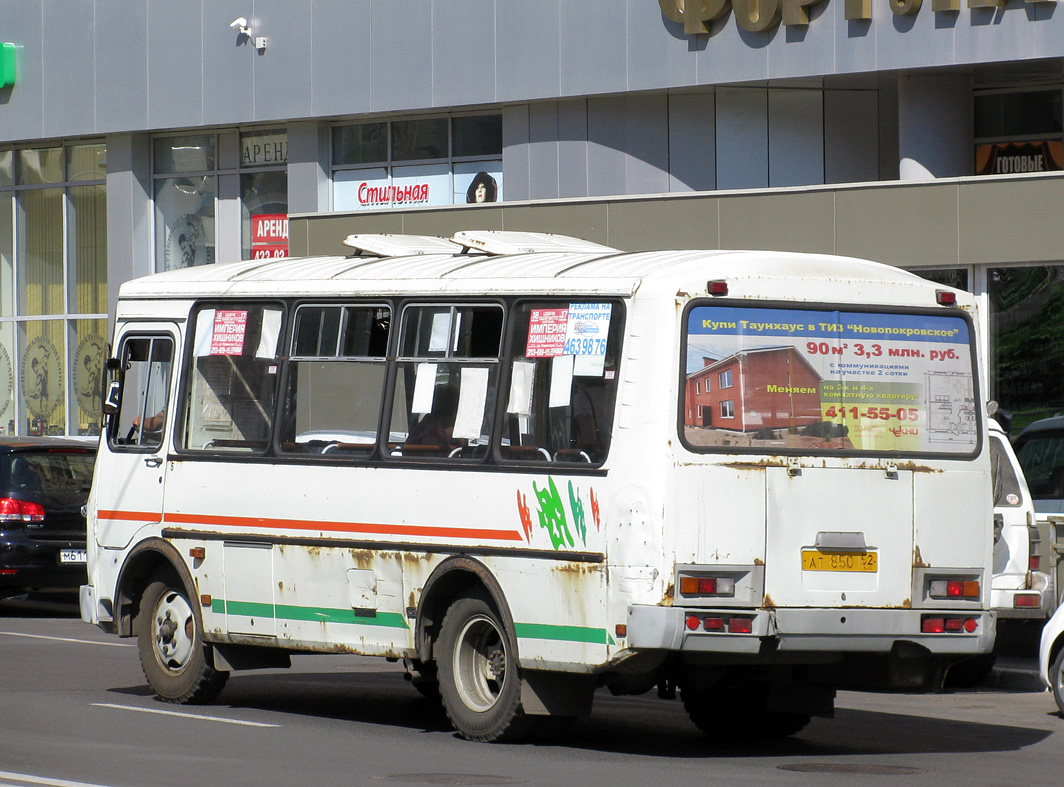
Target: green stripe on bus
[314,614]
[564,633]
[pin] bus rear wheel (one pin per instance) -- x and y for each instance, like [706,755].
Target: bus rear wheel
[178,665]
[479,681]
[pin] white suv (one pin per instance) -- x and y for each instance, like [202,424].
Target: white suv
[1018,589]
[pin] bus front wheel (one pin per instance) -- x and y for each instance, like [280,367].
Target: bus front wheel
[177,664]
[479,681]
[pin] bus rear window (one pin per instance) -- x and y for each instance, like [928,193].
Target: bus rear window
[805,380]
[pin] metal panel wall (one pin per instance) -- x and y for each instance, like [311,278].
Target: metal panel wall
[463,52]
[851,134]
[742,139]
[959,221]
[107,66]
[795,137]
[692,142]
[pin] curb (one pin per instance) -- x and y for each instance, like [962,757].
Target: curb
[1015,675]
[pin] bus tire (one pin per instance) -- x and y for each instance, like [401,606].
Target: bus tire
[740,713]
[480,684]
[178,665]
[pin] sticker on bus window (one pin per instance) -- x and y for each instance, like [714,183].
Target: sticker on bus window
[227,334]
[829,380]
[581,330]
[547,329]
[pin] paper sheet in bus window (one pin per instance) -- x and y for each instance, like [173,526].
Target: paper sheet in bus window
[424,388]
[204,331]
[270,334]
[561,381]
[521,381]
[472,396]
[441,331]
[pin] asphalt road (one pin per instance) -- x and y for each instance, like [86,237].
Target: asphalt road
[74,710]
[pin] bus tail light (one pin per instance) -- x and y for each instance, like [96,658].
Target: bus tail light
[12,510]
[945,297]
[720,623]
[935,624]
[954,589]
[740,625]
[706,586]
[1027,600]
[717,287]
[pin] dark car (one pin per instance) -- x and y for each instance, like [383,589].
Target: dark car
[44,482]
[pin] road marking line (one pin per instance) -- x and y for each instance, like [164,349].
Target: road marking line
[25,778]
[67,639]
[197,716]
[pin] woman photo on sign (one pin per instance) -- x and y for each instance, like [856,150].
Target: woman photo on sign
[483,188]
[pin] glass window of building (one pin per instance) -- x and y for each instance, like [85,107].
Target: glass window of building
[1027,341]
[186,183]
[427,161]
[264,194]
[53,288]
[1018,131]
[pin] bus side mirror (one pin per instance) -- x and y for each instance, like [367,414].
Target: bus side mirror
[113,395]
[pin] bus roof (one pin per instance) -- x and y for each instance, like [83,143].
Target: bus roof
[603,271]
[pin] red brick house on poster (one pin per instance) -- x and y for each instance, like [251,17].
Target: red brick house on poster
[768,388]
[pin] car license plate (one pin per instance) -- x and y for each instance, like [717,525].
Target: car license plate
[815,560]
[73,556]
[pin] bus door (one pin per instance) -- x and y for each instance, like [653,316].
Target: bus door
[130,475]
[839,537]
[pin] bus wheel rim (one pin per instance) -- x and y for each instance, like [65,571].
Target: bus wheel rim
[480,664]
[173,631]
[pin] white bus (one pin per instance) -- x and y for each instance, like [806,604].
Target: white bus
[531,467]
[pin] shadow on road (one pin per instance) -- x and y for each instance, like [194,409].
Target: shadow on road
[41,605]
[642,726]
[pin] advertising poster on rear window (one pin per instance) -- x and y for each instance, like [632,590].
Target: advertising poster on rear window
[828,380]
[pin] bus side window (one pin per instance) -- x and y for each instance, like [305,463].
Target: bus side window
[446,381]
[144,374]
[562,390]
[335,380]
[229,403]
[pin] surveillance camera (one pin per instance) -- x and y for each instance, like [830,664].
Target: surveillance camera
[240,24]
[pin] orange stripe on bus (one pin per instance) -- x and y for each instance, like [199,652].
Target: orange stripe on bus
[130,516]
[332,527]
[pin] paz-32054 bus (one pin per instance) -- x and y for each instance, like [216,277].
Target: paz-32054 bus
[531,466]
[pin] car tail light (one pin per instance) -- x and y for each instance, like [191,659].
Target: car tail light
[706,586]
[1034,550]
[953,588]
[1027,600]
[12,510]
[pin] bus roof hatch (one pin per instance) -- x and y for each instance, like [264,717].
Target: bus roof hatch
[510,242]
[400,245]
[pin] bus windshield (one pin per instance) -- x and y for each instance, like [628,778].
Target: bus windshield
[826,381]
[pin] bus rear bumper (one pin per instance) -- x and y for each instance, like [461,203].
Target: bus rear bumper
[827,630]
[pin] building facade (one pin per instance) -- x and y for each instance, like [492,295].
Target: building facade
[143,135]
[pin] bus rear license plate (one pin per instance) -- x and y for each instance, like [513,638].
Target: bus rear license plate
[72,556]
[815,560]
